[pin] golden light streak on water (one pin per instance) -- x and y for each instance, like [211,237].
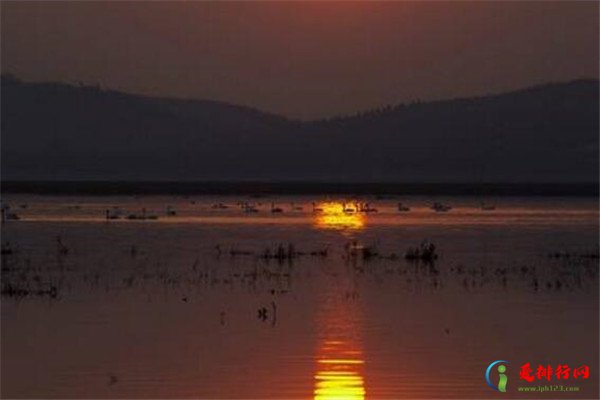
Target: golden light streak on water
[331,215]
[339,358]
[339,377]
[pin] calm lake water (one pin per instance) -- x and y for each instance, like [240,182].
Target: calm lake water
[206,303]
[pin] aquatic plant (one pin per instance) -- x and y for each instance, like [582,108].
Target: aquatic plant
[425,252]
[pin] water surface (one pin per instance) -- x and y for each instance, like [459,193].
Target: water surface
[198,304]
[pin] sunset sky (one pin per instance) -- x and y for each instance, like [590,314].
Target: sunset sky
[300,59]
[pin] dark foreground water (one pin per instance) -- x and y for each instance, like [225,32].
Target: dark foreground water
[310,302]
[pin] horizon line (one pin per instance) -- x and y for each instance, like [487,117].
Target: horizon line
[231,187]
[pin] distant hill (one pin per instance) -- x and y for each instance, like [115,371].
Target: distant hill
[54,131]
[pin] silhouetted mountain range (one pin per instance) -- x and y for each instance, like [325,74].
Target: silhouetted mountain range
[55,131]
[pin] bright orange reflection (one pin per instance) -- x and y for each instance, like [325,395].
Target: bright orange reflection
[336,215]
[339,374]
[339,358]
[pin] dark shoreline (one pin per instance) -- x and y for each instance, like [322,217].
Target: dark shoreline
[103,188]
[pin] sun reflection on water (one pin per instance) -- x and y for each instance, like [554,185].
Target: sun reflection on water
[339,374]
[339,359]
[331,215]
